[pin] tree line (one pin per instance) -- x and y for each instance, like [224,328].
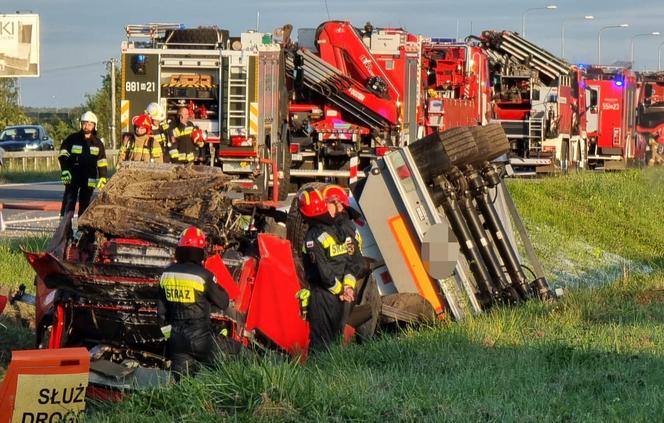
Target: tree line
[60,125]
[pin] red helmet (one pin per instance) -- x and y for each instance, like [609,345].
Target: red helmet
[142,121]
[312,203]
[192,237]
[197,136]
[334,192]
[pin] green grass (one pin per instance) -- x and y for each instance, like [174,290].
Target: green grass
[18,176]
[15,331]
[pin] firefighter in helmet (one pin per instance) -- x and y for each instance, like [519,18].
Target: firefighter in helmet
[326,266]
[185,137]
[161,148]
[188,293]
[83,165]
[343,219]
[137,147]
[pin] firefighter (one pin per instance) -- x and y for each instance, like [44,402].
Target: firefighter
[326,266]
[162,150]
[186,137]
[137,147]
[345,214]
[83,165]
[187,294]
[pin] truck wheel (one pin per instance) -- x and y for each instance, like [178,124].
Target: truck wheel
[435,154]
[491,141]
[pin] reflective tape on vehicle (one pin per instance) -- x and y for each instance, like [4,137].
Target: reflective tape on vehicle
[124,115]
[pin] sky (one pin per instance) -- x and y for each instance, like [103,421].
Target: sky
[78,36]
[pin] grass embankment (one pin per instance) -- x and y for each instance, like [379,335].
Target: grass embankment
[18,176]
[595,355]
[15,332]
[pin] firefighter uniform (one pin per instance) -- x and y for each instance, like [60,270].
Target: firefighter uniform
[84,160]
[326,264]
[188,292]
[161,146]
[136,148]
[182,139]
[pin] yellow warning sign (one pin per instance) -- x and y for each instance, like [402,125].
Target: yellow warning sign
[49,398]
[253,118]
[124,115]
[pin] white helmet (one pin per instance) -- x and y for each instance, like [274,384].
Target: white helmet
[89,117]
[155,111]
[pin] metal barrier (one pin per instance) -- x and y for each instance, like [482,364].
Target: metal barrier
[40,160]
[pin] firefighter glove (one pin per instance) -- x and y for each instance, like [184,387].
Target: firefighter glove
[166,331]
[101,183]
[303,296]
[65,177]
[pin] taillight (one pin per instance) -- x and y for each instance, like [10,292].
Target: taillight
[403,172]
[239,141]
[381,151]
[294,148]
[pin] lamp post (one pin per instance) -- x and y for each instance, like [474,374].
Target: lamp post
[599,39]
[523,18]
[659,56]
[631,44]
[562,32]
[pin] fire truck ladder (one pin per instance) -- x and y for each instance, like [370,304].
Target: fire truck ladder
[238,94]
[535,133]
[328,81]
[527,53]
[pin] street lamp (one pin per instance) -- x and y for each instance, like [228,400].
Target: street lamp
[659,56]
[523,19]
[631,44]
[599,39]
[562,32]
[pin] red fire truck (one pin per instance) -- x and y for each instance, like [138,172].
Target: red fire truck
[650,115]
[361,92]
[610,118]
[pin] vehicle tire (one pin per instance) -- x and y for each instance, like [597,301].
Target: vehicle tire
[491,141]
[436,153]
[181,38]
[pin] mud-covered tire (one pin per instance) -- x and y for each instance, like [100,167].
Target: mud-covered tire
[410,308]
[492,142]
[203,37]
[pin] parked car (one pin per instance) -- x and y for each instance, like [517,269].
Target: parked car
[25,138]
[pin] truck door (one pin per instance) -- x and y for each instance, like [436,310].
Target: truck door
[592,111]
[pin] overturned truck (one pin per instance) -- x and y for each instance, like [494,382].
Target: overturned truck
[435,219]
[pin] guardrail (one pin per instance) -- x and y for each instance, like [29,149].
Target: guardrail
[40,160]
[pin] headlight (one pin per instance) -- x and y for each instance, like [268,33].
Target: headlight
[32,146]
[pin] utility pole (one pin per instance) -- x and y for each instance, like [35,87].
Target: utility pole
[113,141]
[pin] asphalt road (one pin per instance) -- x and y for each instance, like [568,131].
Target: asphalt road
[36,191]
[20,223]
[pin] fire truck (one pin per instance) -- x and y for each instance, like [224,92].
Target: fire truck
[357,93]
[234,88]
[650,115]
[535,99]
[610,118]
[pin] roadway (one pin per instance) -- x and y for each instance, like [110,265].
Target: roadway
[40,216]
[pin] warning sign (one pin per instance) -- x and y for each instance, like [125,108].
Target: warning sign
[49,398]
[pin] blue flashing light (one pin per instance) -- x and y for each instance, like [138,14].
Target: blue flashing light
[140,58]
[582,65]
[618,80]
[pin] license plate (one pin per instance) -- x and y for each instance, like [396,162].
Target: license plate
[243,167]
[296,157]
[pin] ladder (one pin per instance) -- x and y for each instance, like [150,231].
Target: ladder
[535,133]
[237,100]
